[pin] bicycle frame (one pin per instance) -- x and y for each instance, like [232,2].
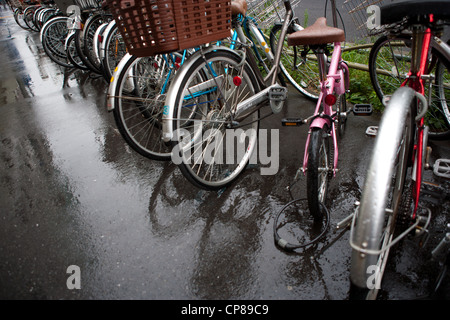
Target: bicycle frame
[336,82]
[424,40]
[247,106]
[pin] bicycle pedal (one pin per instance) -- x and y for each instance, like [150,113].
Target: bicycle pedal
[372,131]
[441,168]
[362,109]
[277,96]
[292,122]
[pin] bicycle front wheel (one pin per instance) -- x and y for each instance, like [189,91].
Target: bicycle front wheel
[20,19]
[319,169]
[72,54]
[211,151]
[301,70]
[115,50]
[381,203]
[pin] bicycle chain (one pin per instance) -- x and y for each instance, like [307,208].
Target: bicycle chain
[403,219]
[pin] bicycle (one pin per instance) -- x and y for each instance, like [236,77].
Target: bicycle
[217,90]
[389,209]
[320,161]
[389,64]
[143,133]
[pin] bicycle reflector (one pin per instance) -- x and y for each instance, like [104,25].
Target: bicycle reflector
[237,81]
[330,99]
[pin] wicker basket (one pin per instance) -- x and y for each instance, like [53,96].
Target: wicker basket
[149,27]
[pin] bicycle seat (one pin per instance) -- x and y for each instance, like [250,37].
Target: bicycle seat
[395,12]
[318,33]
[238,6]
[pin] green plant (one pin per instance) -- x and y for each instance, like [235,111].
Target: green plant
[361,89]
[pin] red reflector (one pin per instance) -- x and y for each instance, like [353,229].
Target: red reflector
[330,99]
[237,81]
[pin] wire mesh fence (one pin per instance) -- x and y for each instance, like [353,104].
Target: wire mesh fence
[357,10]
[268,12]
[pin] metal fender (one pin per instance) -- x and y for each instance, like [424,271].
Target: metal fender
[70,35]
[106,32]
[319,122]
[47,23]
[114,81]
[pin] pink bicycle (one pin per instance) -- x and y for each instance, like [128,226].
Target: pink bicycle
[320,162]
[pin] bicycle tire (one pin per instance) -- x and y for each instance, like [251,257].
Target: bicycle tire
[139,106]
[115,50]
[389,64]
[304,76]
[53,35]
[18,16]
[35,16]
[72,54]
[373,229]
[442,93]
[318,171]
[47,15]
[98,39]
[92,24]
[80,51]
[200,120]
[29,18]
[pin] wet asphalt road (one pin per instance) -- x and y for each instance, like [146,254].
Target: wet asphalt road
[73,193]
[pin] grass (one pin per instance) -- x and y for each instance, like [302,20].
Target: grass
[361,89]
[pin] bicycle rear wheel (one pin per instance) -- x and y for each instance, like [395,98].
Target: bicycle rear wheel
[341,108]
[438,119]
[389,65]
[300,70]
[53,35]
[381,203]
[211,152]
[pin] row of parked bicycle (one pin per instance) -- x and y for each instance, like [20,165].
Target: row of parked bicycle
[200,105]
[84,37]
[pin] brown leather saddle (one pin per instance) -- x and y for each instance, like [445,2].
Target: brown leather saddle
[238,6]
[318,33]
